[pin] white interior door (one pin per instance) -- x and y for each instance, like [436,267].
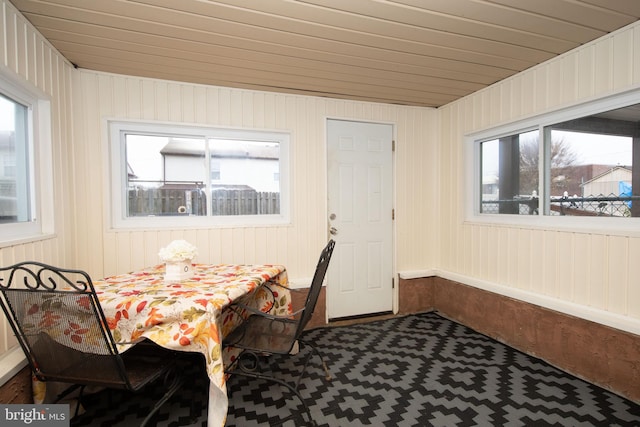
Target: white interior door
[360,203]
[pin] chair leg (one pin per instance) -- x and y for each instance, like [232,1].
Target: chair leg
[327,374]
[248,363]
[175,382]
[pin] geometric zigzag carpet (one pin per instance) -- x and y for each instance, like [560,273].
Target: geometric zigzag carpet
[416,370]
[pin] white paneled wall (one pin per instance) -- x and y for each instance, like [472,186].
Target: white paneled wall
[593,275]
[27,59]
[101,96]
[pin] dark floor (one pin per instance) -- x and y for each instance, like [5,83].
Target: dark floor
[418,370]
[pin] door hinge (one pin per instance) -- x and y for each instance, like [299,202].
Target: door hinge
[393,145]
[393,214]
[393,283]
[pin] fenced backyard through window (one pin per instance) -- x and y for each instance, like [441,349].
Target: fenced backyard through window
[588,166]
[184,202]
[611,206]
[165,172]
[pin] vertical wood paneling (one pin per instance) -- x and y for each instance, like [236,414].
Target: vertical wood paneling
[553,90]
[188,104]
[148,105]
[39,62]
[635,60]
[12,42]
[618,279]
[483,251]
[467,251]
[564,268]
[31,42]
[603,65]
[586,72]
[570,81]
[503,251]
[27,56]
[512,257]
[134,100]
[503,110]
[527,94]
[85,201]
[539,102]
[622,61]
[151,246]
[491,251]
[515,97]
[524,259]
[295,246]
[596,271]
[3,35]
[160,101]
[581,269]
[22,48]
[537,252]
[633,272]
[447,128]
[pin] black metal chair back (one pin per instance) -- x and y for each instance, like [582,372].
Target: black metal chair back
[265,334]
[316,286]
[59,323]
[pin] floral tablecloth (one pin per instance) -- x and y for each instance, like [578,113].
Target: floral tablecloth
[190,315]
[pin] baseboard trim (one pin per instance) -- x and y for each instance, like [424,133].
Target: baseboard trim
[11,363]
[617,321]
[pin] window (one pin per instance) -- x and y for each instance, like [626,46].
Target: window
[25,169]
[582,162]
[510,174]
[15,187]
[167,176]
[591,170]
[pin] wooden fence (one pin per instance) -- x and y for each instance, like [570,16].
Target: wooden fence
[156,201]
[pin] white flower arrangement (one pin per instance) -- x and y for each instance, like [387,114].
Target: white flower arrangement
[177,251]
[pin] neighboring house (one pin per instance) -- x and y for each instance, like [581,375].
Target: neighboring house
[607,183]
[572,178]
[490,187]
[182,162]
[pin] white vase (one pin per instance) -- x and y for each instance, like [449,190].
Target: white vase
[176,271]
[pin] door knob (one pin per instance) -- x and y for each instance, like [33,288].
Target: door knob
[333,231]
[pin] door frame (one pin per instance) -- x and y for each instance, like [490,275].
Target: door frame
[394,128]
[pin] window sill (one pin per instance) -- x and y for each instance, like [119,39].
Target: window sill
[24,240]
[626,227]
[196,223]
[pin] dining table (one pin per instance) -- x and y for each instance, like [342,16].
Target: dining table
[193,314]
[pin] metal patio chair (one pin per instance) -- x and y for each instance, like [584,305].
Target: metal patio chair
[58,321]
[263,334]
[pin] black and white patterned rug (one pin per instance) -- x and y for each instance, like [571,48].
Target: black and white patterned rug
[418,370]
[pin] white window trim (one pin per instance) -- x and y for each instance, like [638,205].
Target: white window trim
[41,164]
[471,194]
[118,169]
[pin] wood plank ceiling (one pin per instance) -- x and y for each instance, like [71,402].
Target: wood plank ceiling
[411,52]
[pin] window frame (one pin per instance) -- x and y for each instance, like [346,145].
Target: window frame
[118,168]
[473,179]
[40,159]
